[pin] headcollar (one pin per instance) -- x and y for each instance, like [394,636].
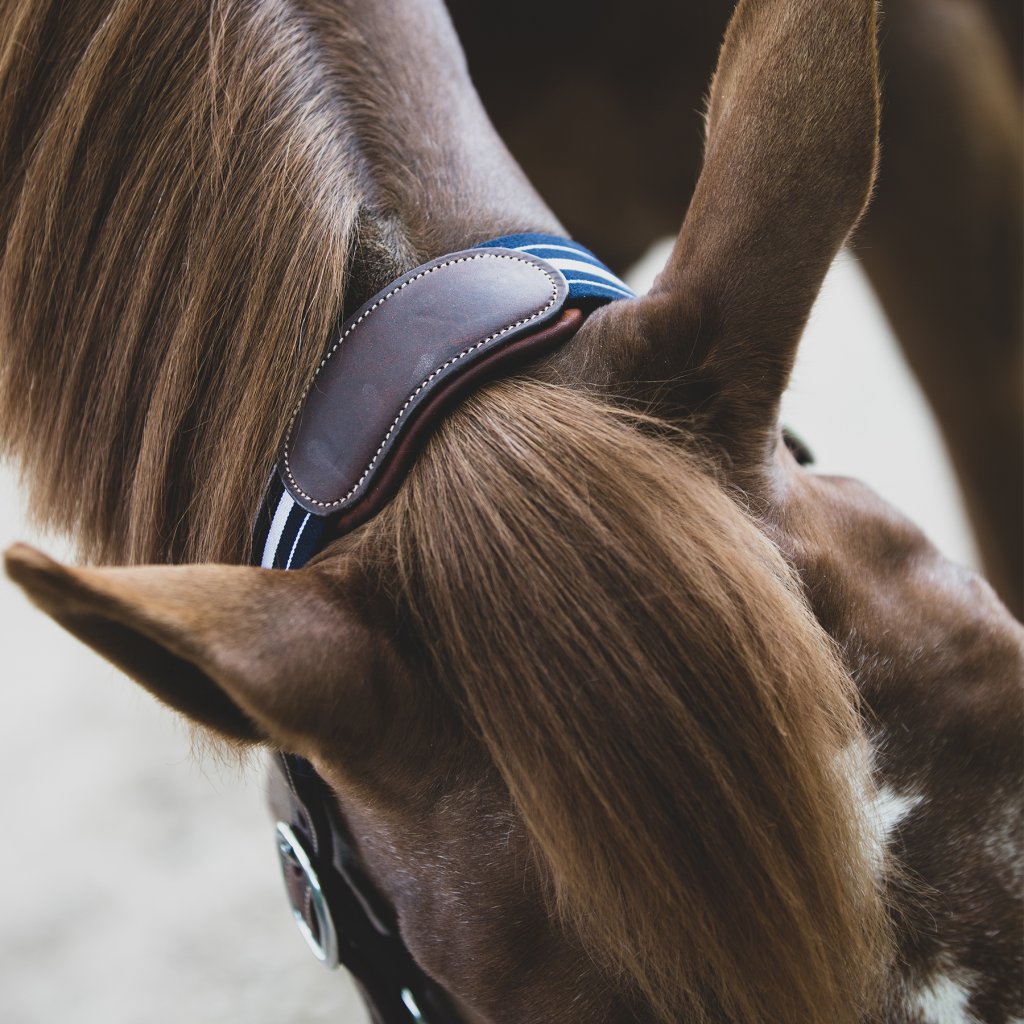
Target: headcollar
[401,360]
[388,375]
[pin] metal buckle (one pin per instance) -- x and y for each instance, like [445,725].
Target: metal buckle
[324,941]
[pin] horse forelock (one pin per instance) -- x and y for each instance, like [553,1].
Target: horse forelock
[610,622]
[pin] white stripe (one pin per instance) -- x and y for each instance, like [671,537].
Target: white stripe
[295,543]
[580,263]
[558,248]
[620,288]
[586,268]
[284,507]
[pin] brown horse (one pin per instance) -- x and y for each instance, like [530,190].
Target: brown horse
[632,718]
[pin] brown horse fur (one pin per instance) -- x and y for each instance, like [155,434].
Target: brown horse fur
[595,748]
[241,186]
[943,241]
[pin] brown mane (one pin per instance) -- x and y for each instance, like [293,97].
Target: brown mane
[178,209]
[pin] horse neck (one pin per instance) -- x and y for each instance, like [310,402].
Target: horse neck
[904,615]
[434,169]
[209,219]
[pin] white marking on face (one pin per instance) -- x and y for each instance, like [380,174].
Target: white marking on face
[943,1001]
[887,809]
[883,808]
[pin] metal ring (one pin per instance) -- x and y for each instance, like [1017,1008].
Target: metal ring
[412,1006]
[323,944]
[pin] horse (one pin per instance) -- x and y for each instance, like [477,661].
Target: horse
[630,716]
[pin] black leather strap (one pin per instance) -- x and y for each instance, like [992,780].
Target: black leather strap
[368,941]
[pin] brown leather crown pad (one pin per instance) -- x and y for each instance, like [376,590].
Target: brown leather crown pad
[401,360]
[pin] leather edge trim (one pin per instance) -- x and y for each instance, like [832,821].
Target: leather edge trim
[385,481]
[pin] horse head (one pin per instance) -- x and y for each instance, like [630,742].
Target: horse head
[584,691]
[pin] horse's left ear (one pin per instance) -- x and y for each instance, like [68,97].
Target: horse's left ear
[255,655]
[792,148]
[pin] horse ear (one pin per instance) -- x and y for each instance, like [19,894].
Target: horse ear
[790,160]
[253,654]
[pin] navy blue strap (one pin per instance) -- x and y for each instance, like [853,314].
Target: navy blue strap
[586,276]
[286,535]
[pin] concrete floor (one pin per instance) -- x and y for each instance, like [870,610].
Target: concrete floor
[140,884]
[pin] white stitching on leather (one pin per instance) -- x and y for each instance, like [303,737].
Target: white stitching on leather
[444,366]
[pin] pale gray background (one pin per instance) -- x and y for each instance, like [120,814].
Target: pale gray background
[138,884]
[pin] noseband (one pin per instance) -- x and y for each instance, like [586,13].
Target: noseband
[388,376]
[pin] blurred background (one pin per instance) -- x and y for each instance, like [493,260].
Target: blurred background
[139,881]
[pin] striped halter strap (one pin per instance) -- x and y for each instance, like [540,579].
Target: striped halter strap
[388,375]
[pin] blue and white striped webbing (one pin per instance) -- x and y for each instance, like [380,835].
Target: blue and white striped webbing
[286,535]
[586,276]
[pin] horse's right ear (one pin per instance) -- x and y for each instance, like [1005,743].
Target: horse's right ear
[255,655]
[792,146]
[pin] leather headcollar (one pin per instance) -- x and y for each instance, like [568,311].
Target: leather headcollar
[387,376]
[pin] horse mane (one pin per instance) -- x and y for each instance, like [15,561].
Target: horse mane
[177,247]
[181,204]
